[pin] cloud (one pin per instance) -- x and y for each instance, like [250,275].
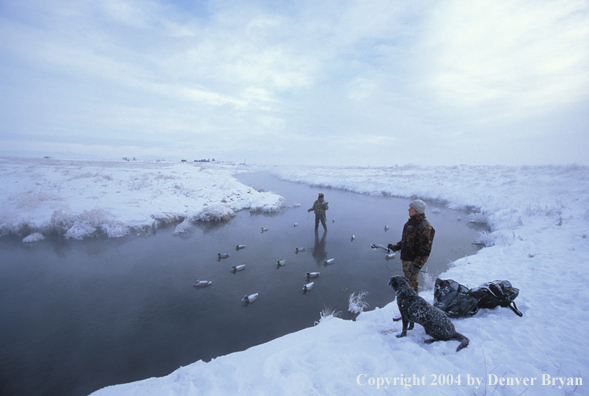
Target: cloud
[508,58]
[364,78]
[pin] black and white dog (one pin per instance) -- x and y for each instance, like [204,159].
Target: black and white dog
[415,309]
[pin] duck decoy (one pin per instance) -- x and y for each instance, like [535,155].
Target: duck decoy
[222,255]
[379,246]
[390,256]
[386,228]
[312,274]
[239,247]
[201,283]
[296,224]
[299,249]
[251,298]
[281,262]
[329,261]
[236,268]
[353,237]
[264,229]
[308,286]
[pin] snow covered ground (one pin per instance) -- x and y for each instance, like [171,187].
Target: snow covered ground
[84,198]
[539,220]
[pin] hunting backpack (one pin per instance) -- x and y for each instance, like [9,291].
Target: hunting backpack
[457,300]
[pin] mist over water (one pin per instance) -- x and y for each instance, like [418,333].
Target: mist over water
[81,315]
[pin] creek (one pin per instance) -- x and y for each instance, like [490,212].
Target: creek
[81,315]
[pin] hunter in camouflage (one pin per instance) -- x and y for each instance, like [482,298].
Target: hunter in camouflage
[319,207]
[416,242]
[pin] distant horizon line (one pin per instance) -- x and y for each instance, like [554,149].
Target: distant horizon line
[61,156]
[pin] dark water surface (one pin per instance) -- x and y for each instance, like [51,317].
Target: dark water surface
[80,315]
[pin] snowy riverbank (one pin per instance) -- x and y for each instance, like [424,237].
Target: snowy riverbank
[83,198]
[539,221]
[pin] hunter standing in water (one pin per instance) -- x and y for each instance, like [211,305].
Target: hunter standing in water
[319,207]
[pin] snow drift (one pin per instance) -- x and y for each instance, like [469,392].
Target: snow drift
[84,198]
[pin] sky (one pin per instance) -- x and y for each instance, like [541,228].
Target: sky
[309,82]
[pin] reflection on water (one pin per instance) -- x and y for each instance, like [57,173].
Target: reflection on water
[81,315]
[319,253]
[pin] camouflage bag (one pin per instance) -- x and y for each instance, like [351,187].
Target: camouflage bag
[497,293]
[454,299]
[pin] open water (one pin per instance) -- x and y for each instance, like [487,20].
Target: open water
[80,315]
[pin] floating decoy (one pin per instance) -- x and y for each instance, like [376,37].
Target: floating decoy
[264,229]
[239,247]
[379,246]
[390,256]
[201,283]
[312,274]
[299,249]
[296,224]
[333,220]
[236,268]
[251,298]
[308,286]
[329,261]
[222,255]
[281,262]
[386,228]
[353,237]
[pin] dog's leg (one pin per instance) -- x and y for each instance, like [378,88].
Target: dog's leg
[411,324]
[404,332]
[430,341]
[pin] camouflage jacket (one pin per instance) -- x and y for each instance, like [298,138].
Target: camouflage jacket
[319,208]
[417,239]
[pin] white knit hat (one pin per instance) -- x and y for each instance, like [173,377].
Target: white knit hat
[418,205]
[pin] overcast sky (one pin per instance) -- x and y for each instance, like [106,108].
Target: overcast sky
[311,82]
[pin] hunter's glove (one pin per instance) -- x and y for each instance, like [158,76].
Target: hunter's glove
[392,247]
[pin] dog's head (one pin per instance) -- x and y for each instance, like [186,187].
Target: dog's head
[398,282]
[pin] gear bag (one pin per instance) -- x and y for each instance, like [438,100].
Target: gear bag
[497,293]
[454,299]
[457,300]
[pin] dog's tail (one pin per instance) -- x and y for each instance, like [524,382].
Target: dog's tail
[463,341]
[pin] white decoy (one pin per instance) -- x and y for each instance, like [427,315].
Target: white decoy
[353,237]
[390,256]
[299,249]
[379,246]
[386,228]
[296,224]
[308,286]
[222,255]
[239,247]
[201,283]
[329,261]
[251,298]
[281,262]
[236,268]
[264,229]
[312,274]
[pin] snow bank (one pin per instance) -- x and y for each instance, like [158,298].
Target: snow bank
[539,220]
[83,198]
